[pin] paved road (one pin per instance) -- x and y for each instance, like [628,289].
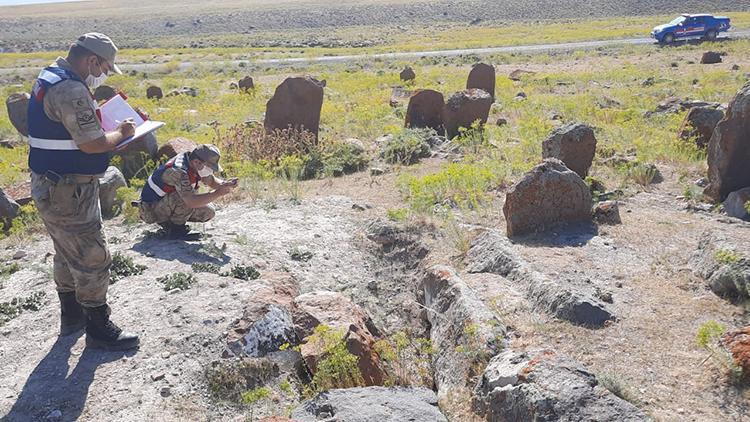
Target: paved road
[301,61]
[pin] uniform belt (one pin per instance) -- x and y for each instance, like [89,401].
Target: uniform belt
[80,179]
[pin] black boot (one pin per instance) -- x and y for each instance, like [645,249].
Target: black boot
[102,333]
[72,318]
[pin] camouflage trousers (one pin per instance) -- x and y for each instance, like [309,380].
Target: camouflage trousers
[72,215]
[172,209]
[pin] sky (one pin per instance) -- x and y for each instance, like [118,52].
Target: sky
[20,2]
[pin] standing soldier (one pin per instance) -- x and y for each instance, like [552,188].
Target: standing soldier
[170,197]
[67,155]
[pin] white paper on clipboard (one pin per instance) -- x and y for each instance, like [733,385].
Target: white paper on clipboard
[117,110]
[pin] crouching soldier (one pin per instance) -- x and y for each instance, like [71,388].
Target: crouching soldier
[170,197]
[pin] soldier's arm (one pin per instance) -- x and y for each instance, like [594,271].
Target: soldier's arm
[215,182]
[181,181]
[70,103]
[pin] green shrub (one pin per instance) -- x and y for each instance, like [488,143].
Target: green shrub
[9,268]
[123,266]
[407,359]
[205,267]
[123,197]
[709,333]
[27,222]
[397,214]
[12,309]
[338,368]
[407,147]
[182,281]
[643,174]
[243,272]
[726,256]
[343,158]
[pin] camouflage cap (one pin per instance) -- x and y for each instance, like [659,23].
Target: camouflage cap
[102,46]
[210,155]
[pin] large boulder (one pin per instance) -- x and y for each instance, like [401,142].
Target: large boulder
[339,313]
[737,204]
[699,125]
[407,74]
[546,386]
[8,208]
[154,92]
[737,344]
[482,76]
[466,108]
[296,105]
[104,93]
[108,185]
[175,146]
[724,264]
[246,84]
[729,149]
[574,144]
[426,110]
[18,105]
[369,404]
[548,195]
[464,332]
[711,57]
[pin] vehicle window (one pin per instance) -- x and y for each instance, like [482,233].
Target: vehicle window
[677,20]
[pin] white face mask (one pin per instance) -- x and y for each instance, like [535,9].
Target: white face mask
[205,171]
[94,82]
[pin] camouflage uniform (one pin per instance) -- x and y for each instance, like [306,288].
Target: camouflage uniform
[70,207]
[171,208]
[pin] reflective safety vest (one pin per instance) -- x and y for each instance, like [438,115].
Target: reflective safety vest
[156,188]
[52,147]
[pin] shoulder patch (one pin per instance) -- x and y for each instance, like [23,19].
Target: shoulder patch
[85,115]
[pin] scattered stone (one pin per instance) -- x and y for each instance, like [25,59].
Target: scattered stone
[548,195]
[607,212]
[175,146]
[17,105]
[376,171]
[482,76]
[737,343]
[54,415]
[711,57]
[425,110]
[724,265]
[466,108]
[340,313]
[20,254]
[246,84]
[407,74]
[372,404]
[154,92]
[296,105]
[521,96]
[676,105]
[9,144]
[458,320]
[699,125]
[8,207]
[735,67]
[185,90]
[501,121]
[517,74]
[165,391]
[737,204]
[650,81]
[574,144]
[729,149]
[108,185]
[104,93]
[157,376]
[543,385]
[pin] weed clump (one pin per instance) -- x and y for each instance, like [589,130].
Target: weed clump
[338,368]
[707,338]
[300,254]
[123,198]
[726,256]
[231,380]
[408,147]
[123,266]
[617,387]
[12,309]
[181,281]
[243,272]
[9,269]
[205,267]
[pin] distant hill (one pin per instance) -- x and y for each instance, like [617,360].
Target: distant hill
[51,26]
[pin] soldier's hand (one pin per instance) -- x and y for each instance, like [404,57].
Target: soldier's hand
[231,182]
[224,189]
[127,128]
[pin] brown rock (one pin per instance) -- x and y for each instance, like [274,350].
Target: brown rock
[338,312]
[426,111]
[104,93]
[729,149]
[607,212]
[482,76]
[176,146]
[737,343]
[154,92]
[296,104]
[699,124]
[736,204]
[711,57]
[17,105]
[574,144]
[517,74]
[548,195]
[245,84]
[408,74]
[464,109]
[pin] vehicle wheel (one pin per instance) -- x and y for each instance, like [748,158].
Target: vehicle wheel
[711,35]
[668,39]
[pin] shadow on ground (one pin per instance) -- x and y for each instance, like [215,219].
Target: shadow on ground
[180,250]
[50,388]
[573,235]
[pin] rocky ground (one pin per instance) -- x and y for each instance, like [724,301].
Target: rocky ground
[640,272]
[34,28]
